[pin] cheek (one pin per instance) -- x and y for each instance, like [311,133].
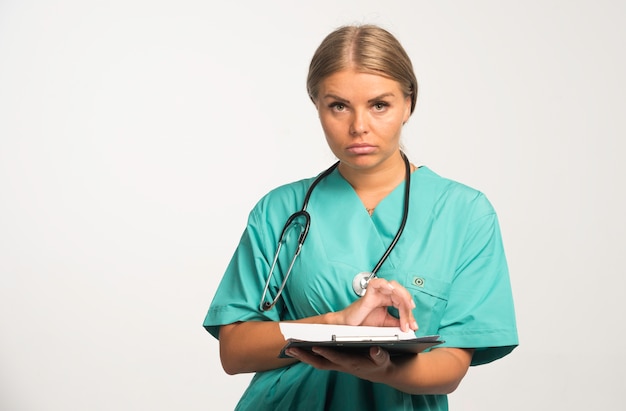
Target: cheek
[329,134]
[325,128]
[390,127]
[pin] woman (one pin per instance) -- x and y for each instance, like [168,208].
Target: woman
[446,273]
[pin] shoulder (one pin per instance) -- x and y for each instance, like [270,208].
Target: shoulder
[283,200]
[447,194]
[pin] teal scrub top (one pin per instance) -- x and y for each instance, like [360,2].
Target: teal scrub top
[450,257]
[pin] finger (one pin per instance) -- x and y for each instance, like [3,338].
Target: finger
[379,356]
[383,293]
[394,293]
[380,285]
[403,301]
[397,294]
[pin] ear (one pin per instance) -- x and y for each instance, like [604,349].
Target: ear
[407,109]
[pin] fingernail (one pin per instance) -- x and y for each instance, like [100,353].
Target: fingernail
[413,304]
[415,327]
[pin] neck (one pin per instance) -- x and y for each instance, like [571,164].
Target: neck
[373,185]
[384,176]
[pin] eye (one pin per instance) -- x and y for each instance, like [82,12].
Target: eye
[380,106]
[337,106]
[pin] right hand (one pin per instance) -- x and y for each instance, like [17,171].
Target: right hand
[371,309]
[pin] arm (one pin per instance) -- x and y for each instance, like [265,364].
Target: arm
[436,372]
[254,345]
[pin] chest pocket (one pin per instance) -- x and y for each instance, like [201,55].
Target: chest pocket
[430,294]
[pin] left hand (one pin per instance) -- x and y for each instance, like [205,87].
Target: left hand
[373,367]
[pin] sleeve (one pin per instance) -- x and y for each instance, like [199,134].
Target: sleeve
[238,295]
[480,312]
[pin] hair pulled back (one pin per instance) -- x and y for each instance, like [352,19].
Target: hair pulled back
[366,48]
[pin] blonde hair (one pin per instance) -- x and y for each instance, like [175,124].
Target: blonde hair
[367,48]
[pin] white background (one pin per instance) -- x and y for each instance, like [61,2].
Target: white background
[136,135]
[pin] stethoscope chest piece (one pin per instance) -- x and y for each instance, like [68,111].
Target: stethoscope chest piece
[359,283]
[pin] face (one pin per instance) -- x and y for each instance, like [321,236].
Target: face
[362,116]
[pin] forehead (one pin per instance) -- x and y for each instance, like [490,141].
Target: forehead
[352,82]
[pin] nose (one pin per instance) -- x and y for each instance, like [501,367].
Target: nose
[358,125]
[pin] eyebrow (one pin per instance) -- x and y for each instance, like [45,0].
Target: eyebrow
[343,100]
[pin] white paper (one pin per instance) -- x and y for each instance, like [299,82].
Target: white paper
[324,332]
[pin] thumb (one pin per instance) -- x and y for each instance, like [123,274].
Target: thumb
[379,356]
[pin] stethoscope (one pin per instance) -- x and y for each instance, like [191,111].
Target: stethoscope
[361,280]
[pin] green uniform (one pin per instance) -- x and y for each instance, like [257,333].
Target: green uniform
[450,258]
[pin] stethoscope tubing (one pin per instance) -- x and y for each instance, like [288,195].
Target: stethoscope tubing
[358,286]
[405,216]
[266,305]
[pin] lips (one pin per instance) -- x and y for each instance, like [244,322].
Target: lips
[361,149]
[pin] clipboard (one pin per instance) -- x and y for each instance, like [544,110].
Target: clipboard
[354,339]
[394,347]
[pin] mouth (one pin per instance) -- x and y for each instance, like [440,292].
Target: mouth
[361,149]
